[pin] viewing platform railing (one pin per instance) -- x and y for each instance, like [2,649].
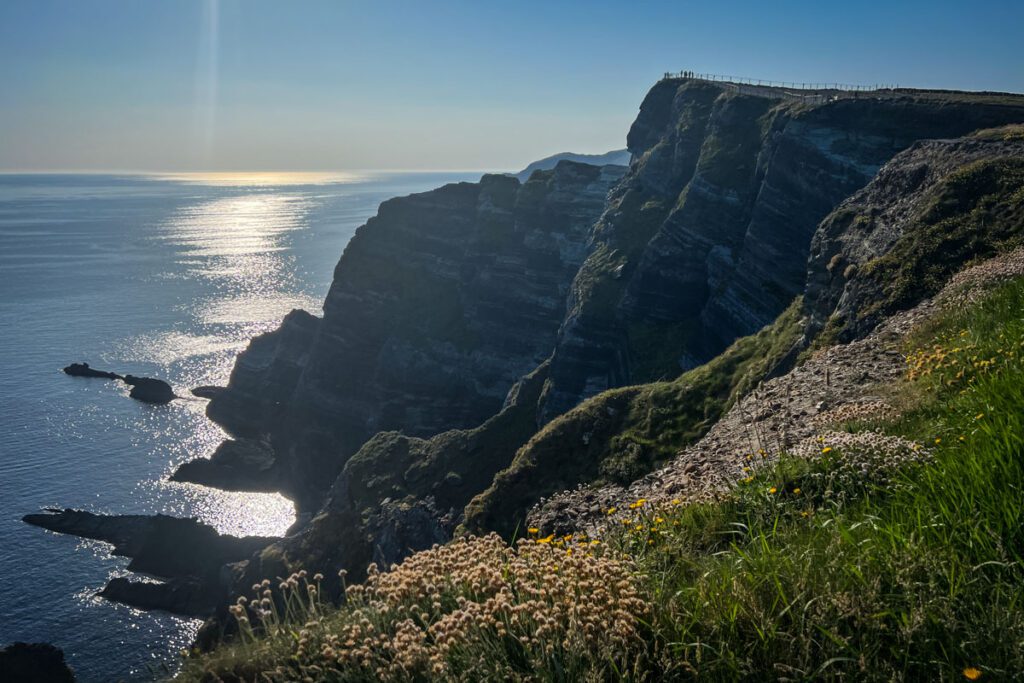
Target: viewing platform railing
[807,92]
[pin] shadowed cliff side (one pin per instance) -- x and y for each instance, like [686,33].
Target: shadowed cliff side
[439,304]
[932,209]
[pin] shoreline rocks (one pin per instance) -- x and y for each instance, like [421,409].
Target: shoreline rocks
[34,662]
[186,552]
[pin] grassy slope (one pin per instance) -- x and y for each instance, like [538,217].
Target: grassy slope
[624,433]
[803,572]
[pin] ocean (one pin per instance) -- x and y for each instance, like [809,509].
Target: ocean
[160,276]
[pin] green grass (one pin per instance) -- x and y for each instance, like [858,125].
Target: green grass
[916,579]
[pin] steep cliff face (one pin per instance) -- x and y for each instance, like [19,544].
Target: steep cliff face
[707,237]
[438,305]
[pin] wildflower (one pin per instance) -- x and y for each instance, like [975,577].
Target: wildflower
[938,440]
[318,577]
[659,520]
[533,530]
[546,539]
[826,450]
[612,510]
[972,674]
[773,490]
[979,416]
[796,491]
[676,501]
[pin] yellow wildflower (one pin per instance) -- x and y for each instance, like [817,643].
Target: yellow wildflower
[826,449]
[546,539]
[611,510]
[533,530]
[773,490]
[796,490]
[972,674]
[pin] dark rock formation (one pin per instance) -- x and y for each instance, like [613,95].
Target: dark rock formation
[158,544]
[188,596]
[144,389]
[149,390]
[236,465]
[206,391]
[34,663]
[438,305]
[162,546]
[83,370]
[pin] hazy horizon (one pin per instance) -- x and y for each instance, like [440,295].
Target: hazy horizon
[223,85]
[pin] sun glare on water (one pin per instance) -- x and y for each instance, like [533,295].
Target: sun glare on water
[264,178]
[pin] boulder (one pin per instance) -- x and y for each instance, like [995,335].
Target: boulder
[149,390]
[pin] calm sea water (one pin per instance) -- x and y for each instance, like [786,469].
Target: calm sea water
[159,276]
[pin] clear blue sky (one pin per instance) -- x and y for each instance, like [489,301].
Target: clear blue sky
[335,85]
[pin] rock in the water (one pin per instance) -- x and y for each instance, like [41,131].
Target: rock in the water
[187,552]
[149,390]
[207,391]
[34,663]
[83,370]
[158,544]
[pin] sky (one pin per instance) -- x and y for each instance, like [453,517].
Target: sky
[246,85]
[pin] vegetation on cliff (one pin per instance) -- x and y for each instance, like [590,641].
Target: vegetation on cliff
[893,550]
[624,433]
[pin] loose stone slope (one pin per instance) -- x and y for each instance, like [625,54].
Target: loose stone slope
[837,384]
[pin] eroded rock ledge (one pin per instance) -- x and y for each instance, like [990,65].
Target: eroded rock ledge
[187,552]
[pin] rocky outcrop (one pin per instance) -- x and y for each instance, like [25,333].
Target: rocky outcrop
[929,211]
[186,551]
[236,465]
[438,305]
[34,663]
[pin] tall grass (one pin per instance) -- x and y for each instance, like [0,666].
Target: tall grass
[916,579]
